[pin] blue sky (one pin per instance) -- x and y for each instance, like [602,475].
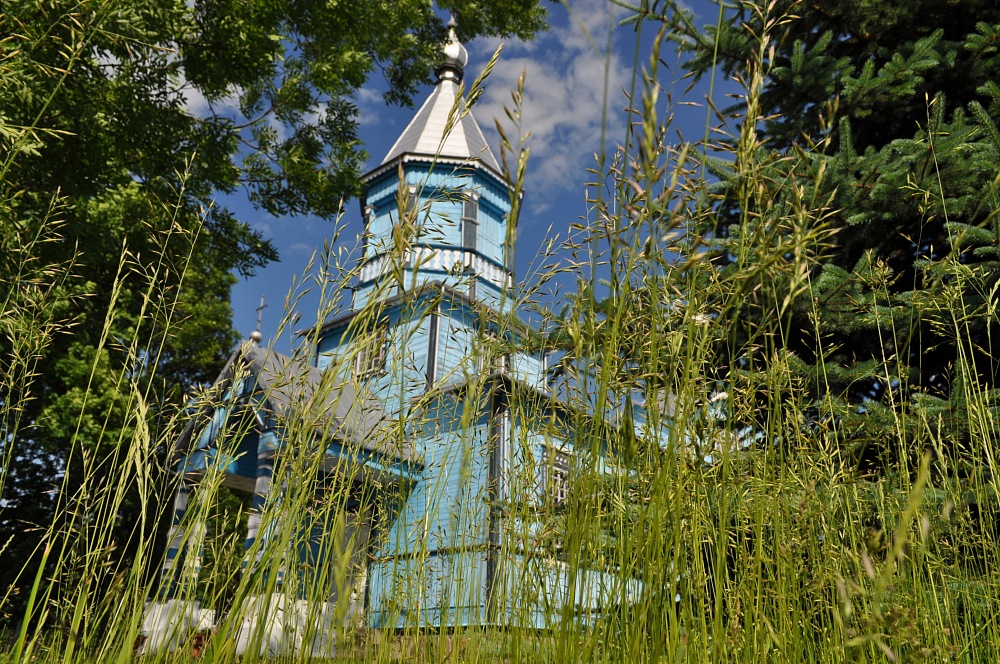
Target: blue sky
[574,87]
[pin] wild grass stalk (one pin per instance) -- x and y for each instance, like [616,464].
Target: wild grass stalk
[726,519]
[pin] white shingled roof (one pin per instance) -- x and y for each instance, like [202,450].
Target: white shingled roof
[423,135]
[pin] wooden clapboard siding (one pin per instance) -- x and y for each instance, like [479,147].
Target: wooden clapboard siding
[445,589]
[527,368]
[444,520]
[455,338]
[543,592]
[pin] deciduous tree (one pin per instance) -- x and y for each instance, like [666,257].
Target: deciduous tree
[119,124]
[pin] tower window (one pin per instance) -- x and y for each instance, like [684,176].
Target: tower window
[470,220]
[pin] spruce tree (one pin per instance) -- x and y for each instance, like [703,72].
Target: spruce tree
[888,113]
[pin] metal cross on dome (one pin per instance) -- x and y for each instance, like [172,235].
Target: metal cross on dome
[256,336]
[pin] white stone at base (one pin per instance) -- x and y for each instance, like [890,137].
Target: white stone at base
[282,626]
[170,624]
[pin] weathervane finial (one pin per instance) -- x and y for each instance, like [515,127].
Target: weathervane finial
[256,335]
[452,66]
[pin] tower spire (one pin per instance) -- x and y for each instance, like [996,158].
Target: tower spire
[425,135]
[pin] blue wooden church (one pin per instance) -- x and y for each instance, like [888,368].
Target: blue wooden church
[424,422]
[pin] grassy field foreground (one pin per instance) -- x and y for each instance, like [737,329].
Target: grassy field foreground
[761,522]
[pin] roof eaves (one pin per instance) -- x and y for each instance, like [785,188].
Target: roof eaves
[430,158]
[289,385]
[422,289]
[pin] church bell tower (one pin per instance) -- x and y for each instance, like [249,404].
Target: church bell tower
[454,230]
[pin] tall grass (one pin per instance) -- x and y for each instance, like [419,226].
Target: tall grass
[728,545]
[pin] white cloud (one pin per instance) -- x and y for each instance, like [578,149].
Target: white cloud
[197,105]
[262,224]
[370,104]
[195,102]
[570,76]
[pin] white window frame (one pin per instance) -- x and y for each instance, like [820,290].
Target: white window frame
[372,353]
[557,475]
